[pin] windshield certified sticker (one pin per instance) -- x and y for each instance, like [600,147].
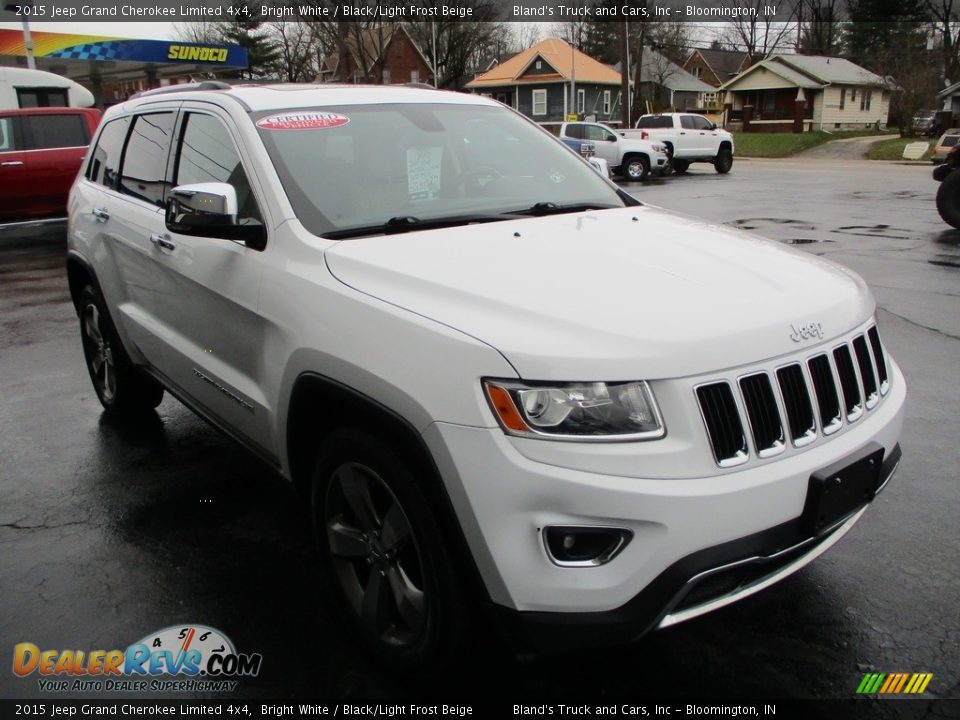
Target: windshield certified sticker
[303,121]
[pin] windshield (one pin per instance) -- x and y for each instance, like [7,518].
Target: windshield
[360,166]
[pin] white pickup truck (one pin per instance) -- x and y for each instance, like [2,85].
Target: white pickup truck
[633,158]
[689,138]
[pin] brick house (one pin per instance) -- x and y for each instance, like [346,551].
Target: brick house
[715,67]
[380,55]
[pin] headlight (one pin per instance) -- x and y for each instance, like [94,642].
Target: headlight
[576,411]
[659,148]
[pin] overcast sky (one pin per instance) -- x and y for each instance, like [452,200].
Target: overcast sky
[148,30]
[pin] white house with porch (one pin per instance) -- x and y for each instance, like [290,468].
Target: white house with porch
[784,93]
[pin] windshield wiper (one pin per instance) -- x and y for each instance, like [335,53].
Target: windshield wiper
[551,208]
[409,223]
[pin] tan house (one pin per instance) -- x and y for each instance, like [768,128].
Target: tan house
[785,93]
[385,54]
[715,67]
[537,82]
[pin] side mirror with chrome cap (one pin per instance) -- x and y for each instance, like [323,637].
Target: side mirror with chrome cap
[210,210]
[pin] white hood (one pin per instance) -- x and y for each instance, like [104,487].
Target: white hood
[638,293]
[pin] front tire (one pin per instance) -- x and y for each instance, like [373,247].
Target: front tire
[948,199]
[680,166]
[636,167]
[121,387]
[723,162]
[383,555]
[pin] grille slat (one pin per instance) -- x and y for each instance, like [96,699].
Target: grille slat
[722,418]
[852,400]
[867,377]
[796,401]
[762,414]
[879,359]
[828,401]
[831,388]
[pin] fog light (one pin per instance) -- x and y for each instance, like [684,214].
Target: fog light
[572,546]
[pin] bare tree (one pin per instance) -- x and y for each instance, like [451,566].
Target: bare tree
[202,31]
[524,35]
[297,59]
[819,27]
[573,32]
[757,35]
[462,48]
[946,23]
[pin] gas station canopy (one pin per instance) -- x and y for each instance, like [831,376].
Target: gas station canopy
[93,59]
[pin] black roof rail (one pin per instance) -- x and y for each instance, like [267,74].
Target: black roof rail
[185,87]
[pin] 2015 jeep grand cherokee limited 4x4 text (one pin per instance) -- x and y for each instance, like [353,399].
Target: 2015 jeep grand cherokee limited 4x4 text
[495,376]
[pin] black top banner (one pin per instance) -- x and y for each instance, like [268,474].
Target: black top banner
[101,11]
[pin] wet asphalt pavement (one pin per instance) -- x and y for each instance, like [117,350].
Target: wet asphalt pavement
[110,531]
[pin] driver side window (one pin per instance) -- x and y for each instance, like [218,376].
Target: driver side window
[206,153]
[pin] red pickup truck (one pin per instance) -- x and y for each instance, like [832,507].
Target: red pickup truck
[41,150]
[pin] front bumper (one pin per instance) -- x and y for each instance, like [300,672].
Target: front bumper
[695,585]
[687,525]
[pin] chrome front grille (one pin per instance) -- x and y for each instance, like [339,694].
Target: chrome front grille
[808,400]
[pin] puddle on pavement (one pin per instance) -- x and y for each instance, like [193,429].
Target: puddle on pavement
[755,223]
[804,241]
[897,195]
[886,232]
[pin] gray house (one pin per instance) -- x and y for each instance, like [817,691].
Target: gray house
[664,85]
[540,82]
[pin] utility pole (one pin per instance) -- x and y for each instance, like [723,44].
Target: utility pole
[624,76]
[27,38]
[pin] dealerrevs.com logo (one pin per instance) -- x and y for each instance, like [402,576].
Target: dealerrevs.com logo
[180,658]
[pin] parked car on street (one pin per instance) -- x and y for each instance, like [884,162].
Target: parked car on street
[928,123]
[633,159]
[588,151]
[506,389]
[944,145]
[41,150]
[689,138]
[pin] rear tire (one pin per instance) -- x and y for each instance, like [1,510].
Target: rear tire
[948,199]
[636,167]
[121,386]
[723,162]
[383,555]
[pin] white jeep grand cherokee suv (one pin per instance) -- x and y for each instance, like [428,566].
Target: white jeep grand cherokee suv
[494,375]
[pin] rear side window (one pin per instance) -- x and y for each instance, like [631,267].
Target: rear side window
[6,134]
[145,160]
[42,97]
[104,167]
[44,132]
[575,131]
[207,154]
[654,121]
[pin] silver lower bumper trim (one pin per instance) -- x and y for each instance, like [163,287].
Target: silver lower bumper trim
[690,613]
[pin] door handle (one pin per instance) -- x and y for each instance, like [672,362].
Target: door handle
[101,213]
[163,241]
[12,163]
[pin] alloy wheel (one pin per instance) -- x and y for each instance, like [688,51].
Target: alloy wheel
[375,555]
[100,355]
